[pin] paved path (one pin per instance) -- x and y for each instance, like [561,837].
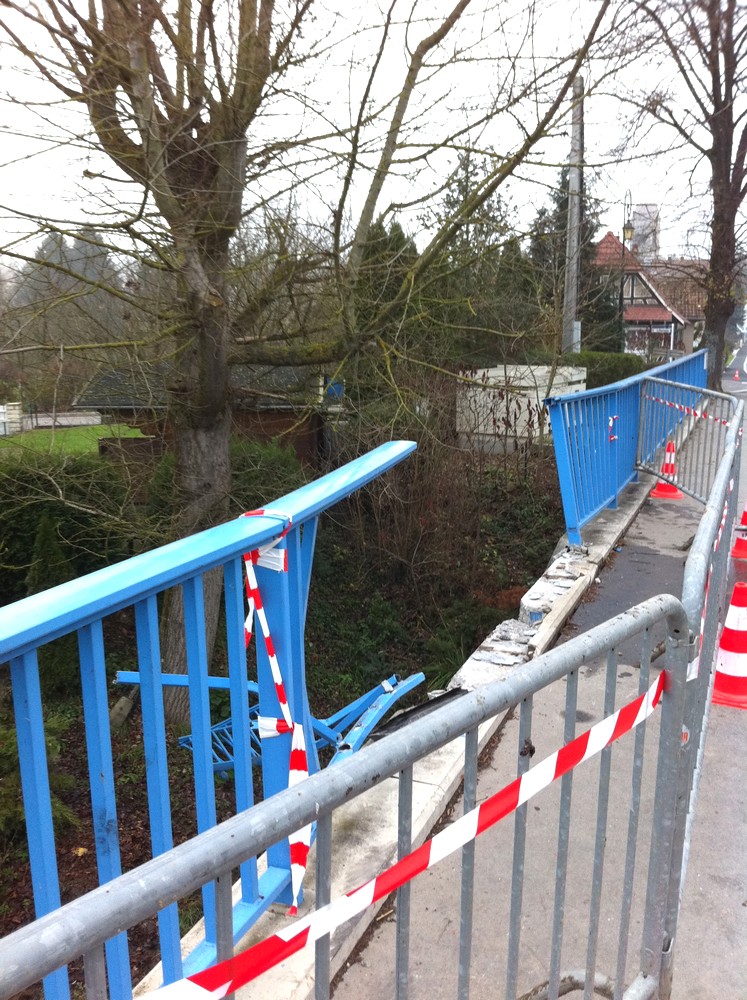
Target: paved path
[711,950]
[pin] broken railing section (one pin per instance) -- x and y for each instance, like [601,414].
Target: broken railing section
[137,587]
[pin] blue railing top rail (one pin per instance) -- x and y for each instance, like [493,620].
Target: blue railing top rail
[661,371]
[46,616]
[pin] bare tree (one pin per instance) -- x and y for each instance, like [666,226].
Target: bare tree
[213,112]
[705,105]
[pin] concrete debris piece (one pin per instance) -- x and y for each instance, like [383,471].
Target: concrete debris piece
[504,650]
[563,569]
[513,630]
[473,675]
[503,646]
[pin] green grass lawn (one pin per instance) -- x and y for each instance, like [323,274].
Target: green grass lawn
[70,440]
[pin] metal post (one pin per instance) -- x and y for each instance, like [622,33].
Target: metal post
[627,234]
[323,896]
[404,846]
[575,168]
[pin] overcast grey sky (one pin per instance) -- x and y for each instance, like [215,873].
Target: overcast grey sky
[47,167]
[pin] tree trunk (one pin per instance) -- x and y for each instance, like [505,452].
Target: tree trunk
[200,416]
[720,302]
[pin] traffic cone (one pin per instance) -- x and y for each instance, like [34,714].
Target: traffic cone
[736,374]
[667,491]
[730,682]
[739,551]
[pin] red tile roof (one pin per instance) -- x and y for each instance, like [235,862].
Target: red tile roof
[612,256]
[648,314]
[682,283]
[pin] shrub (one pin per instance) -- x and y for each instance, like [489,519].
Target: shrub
[84,499]
[603,368]
[260,473]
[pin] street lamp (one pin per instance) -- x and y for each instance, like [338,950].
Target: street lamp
[627,236]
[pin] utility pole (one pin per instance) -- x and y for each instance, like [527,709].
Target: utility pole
[572,328]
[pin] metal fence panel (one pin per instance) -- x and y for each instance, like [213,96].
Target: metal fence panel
[693,423]
[79,927]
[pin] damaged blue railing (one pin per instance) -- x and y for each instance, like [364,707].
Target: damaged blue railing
[139,585]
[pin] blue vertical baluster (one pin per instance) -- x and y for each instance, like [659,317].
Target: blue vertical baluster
[101,779]
[300,553]
[594,473]
[157,771]
[32,756]
[236,648]
[559,423]
[199,714]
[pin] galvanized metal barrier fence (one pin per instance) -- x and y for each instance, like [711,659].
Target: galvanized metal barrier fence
[596,438]
[82,926]
[693,423]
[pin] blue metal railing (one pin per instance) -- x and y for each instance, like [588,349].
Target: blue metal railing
[596,437]
[139,584]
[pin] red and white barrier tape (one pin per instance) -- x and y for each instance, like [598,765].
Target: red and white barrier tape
[693,667]
[219,980]
[298,766]
[611,425]
[689,410]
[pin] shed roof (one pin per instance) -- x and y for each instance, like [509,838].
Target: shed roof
[258,387]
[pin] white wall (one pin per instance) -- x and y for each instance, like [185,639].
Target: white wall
[502,407]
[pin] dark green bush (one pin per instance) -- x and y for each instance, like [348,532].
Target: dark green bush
[86,503]
[260,473]
[603,368]
[11,801]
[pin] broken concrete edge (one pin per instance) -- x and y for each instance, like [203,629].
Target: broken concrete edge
[609,527]
[552,599]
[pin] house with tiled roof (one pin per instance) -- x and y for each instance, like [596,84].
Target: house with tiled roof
[683,282]
[653,326]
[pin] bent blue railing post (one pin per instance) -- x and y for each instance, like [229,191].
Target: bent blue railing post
[559,420]
[157,769]
[101,780]
[32,757]
[233,585]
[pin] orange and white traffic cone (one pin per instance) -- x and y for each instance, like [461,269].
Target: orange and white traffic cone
[739,551]
[668,491]
[736,374]
[730,682]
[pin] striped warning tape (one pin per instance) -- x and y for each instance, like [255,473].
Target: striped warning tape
[689,410]
[298,766]
[222,979]
[693,667]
